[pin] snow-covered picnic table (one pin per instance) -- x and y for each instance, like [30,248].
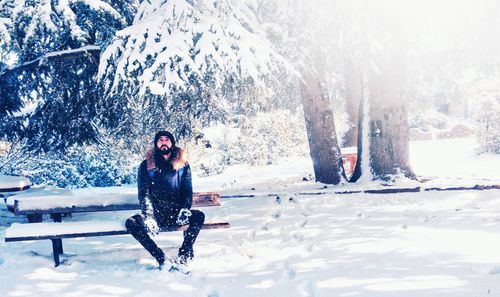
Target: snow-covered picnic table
[35,206]
[10,184]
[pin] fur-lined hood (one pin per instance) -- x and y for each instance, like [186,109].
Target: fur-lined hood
[178,158]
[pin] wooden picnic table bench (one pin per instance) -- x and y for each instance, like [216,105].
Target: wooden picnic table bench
[35,207]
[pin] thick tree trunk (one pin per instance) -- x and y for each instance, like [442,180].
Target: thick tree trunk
[388,123]
[389,145]
[323,144]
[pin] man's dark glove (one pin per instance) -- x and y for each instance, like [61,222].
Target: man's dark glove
[183,217]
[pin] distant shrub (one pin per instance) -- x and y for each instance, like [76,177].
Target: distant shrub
[258,140]
[487,117]
[428,120]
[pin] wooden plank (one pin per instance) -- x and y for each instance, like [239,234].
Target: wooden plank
[220,225]
[392,191]
[74,209]
[206,199]
[120,202]
[73,235]
[216,225]
[16,189]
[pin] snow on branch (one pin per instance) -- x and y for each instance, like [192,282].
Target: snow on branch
[92,50]
[172,41]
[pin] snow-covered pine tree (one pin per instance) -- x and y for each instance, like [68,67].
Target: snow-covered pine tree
[186,64]
[48,94]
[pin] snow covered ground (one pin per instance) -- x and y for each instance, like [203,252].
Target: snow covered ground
[411,244]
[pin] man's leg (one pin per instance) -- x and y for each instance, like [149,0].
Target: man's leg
[196,221]
[135,225]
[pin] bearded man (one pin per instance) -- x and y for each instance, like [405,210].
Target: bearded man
[165,194]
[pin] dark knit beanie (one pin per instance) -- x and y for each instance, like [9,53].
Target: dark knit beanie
[164,133]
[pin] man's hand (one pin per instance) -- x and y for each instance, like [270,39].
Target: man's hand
[152,226]
[183,217]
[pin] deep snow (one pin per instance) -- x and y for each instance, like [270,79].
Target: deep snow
[410,244]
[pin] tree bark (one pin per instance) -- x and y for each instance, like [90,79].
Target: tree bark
[388,123]
[323,144]
[356,174]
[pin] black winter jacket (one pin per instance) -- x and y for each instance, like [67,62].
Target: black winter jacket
[163,190]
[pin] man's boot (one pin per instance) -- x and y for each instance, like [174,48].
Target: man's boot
[185,253]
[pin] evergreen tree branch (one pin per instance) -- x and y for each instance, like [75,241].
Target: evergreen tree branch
[93,50]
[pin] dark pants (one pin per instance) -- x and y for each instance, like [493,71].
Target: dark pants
[135,225]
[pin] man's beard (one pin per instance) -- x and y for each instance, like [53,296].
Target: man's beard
[164,150]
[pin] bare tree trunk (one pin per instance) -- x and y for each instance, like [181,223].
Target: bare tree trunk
[389,146]
[356,174]
[388,123]
[323,144]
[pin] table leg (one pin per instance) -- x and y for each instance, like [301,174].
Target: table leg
[34,218]
[57,249]
[57,217]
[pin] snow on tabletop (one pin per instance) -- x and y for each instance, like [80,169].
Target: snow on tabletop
[8,182]
[55,201]
[39,192]
[44,229]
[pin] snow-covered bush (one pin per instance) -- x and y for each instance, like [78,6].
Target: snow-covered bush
[258,140]
[79,167]
[428,120]
[487,118]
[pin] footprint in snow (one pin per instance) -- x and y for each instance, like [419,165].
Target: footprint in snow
[290,272]
[276,215]
[212,293]
[308,289]
[301,224]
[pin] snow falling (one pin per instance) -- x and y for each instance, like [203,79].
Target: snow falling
[245,86]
